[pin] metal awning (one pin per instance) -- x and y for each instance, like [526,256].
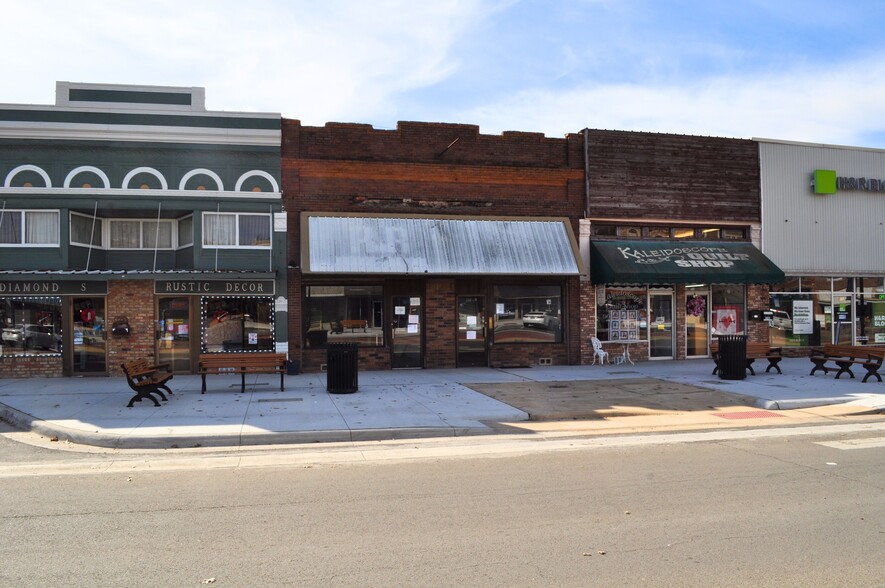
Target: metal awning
[680,262]
[383,244]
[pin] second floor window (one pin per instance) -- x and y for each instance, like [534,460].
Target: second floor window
[140,234]
[224,229]
[29,227]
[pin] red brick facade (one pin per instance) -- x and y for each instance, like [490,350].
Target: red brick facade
[133,299]
[431,168]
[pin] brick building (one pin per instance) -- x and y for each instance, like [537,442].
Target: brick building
[432,245]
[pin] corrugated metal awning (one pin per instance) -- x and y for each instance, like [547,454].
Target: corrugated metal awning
[381,244]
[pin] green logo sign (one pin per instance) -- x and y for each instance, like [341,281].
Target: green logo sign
[827,182]
[824,181]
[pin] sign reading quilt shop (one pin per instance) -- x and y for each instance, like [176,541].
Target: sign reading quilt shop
[215,287]
[51,287]
[663,262]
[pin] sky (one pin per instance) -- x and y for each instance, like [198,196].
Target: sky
[810,71]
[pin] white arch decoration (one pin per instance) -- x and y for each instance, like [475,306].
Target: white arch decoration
[27,167]
[196,172]
[87,168]
[257,172]
[147,170]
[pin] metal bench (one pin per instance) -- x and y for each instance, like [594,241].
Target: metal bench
[242,364]
[147,379]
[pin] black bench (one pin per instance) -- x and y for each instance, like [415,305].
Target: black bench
[843,357]
[146,379]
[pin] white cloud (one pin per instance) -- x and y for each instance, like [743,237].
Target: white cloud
[335,60]
[837,106]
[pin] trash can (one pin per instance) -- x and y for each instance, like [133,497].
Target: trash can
[293,368]
[342,366]
[733,357]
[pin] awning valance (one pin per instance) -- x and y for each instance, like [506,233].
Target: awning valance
[679,262]
[381,244]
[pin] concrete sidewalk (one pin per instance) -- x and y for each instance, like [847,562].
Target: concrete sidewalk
[663,395]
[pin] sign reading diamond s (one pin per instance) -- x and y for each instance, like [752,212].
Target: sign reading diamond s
[827,182]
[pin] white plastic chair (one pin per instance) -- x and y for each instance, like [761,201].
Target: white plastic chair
[598,352]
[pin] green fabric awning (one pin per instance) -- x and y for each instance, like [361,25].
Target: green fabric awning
[680,262]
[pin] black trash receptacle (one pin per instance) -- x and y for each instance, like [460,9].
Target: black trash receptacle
[342,367]
[733,357]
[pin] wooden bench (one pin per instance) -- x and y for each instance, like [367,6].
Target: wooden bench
[147,379]
[754,351]
[242,364]
[352,324]
[845,356]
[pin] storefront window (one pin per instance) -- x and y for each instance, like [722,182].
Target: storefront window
[343,314]
[729,310]
[31,326]
[809,311]
[237,324]
[871,311]
[622,315]
[528,313]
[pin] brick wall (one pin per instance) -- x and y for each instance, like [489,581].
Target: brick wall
[440,324]
[30,366]
[135,300]
[757,299]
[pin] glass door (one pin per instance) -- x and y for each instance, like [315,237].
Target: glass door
[471,332]
[405,333]
[842,319]
[89,347]
[697,323]
[660,325]
[173,333]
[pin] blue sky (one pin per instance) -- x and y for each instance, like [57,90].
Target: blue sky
[809,71]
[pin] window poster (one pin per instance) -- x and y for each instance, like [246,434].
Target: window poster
[803,317]
[726,318]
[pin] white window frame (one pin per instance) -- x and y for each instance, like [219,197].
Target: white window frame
[237,215]
[22,213]
[179,243]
